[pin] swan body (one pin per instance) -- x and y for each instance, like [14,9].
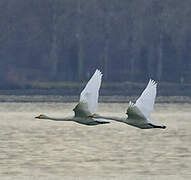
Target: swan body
[84,112]
[139,113]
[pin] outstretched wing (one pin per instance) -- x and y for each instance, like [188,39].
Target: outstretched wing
[89,95]
[146,101]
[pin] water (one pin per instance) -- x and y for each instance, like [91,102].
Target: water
[39,149]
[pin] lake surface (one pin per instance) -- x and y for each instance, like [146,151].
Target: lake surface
[42,149]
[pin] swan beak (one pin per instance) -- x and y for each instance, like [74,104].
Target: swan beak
[38,117]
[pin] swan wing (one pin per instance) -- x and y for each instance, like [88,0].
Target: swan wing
[90,93]
[146,101]
[89,96]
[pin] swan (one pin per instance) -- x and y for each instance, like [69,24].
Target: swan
[139,113]
[84,111]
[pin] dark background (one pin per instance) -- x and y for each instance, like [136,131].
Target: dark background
[57,44]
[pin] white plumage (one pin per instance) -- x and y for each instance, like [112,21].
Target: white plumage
[90,93]
[85,109]
[139,113]
[146,101]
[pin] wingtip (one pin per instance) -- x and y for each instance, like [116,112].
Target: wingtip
[99,72]
[152,82]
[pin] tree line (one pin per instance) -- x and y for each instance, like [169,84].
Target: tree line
[66,40]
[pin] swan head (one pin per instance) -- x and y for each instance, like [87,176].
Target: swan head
[41,116]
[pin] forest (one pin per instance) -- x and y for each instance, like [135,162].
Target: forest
[66,40]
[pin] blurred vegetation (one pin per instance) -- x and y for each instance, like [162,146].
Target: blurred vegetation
[60,43]
[126,88]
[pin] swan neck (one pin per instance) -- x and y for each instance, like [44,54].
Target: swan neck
[58,119]
[113,118]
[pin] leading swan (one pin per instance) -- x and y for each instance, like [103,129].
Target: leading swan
[84,112]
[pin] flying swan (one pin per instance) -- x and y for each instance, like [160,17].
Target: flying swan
[139,113]
[84,111]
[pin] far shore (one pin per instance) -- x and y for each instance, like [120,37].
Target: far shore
[102,99]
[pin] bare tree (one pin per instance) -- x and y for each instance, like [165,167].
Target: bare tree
[160,58]
[107,16]
[79,36]
[54,42]
[106,44]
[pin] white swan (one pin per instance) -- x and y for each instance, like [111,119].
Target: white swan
[86,108]
[139,113]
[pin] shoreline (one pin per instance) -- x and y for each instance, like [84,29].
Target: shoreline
[102,99]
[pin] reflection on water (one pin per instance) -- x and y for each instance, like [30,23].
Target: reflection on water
[40,149]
